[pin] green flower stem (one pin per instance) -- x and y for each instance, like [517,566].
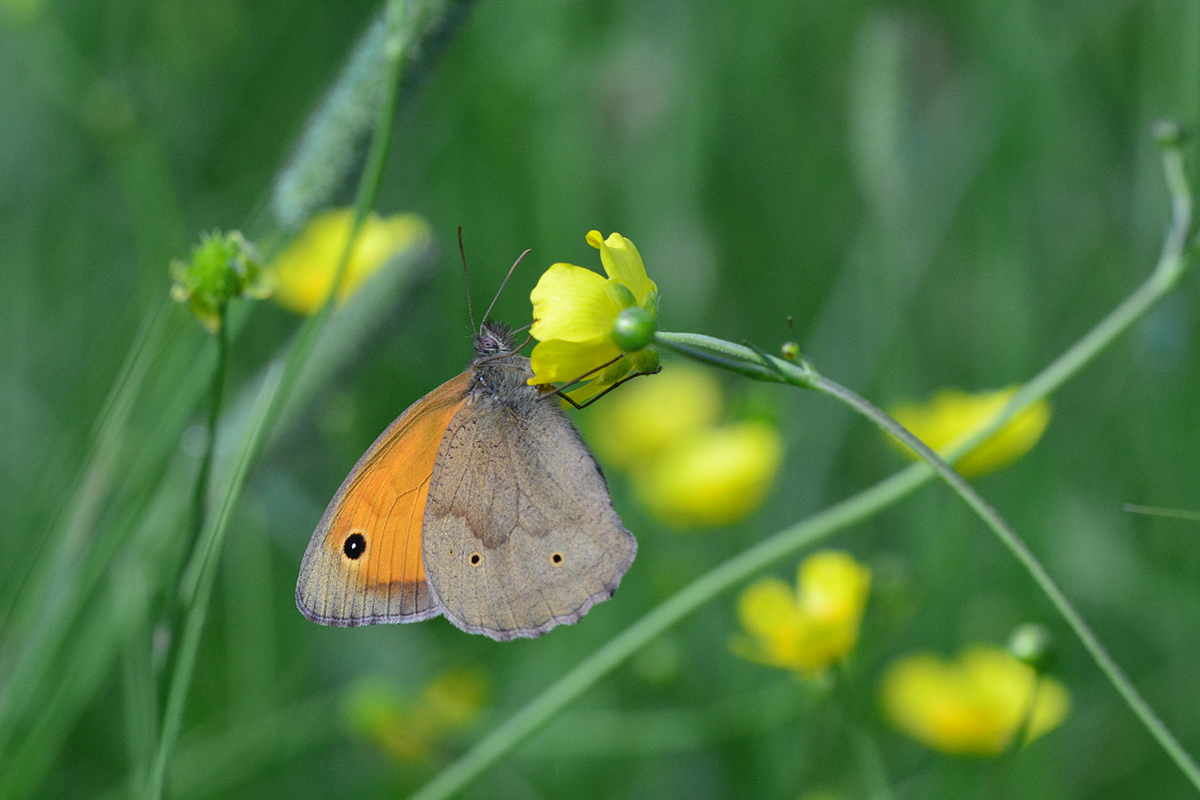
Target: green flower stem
[859,507]
[1002,766]
[204,475]
[197,611]
[197,585]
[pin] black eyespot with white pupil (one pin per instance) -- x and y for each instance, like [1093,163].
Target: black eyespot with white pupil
[355,546]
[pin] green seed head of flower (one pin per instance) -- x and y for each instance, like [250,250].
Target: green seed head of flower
[222,267]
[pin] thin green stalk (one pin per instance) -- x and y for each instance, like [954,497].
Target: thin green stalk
[1157,511]
[189,644]
[139,691]
[204,475]
[198,582]
[841,515]
[1002,767]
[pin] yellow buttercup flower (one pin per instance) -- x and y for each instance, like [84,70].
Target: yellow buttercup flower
[412,729]
[953,415]
[646,418]
[583,321]
[812,627]
[688,469]
[715,477]
[304,271]
[975,705]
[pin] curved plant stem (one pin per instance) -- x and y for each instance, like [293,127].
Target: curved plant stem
[755,364]
[1029,561]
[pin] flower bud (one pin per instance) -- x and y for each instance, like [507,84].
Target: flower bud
[1034,645]
[633,329]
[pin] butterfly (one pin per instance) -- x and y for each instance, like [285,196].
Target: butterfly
[480,503]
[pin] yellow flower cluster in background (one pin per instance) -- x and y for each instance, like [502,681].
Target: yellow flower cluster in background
[304,272]
[576,313]
[413,729]
[689,470]
[809,628]
[975,705]
[953,415]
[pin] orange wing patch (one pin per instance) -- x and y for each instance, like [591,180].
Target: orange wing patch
[364,562]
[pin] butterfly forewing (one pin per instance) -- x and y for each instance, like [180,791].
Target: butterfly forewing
[520,534]
[364,563]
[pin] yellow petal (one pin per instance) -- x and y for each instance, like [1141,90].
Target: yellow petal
[974,705]
[571,304]
[714,478]
[622,261]
[812,628]
[954,415]
[766,606]
[834,587]
[767,611]
[304,271]
[559,361]
[646,417]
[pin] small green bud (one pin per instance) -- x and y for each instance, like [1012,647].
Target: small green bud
[633,329]
[1034,645]
[222,267]
[790,350]
[1168,133]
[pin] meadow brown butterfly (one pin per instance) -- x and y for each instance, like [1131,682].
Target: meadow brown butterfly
[480,502]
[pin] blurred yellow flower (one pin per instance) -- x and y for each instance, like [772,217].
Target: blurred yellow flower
[953,415]
[304,271]
[645,418]
[413,729]
[814,626]
[973,706]
[713,477]
[223,266]
[582,321]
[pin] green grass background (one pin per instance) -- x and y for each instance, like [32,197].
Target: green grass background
[941,194]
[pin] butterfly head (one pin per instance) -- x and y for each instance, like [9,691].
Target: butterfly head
[493,340]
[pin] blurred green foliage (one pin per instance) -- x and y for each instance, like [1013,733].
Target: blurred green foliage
[941,193]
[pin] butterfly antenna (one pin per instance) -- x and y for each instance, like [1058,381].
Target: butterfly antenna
[504,283]
[467,276]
